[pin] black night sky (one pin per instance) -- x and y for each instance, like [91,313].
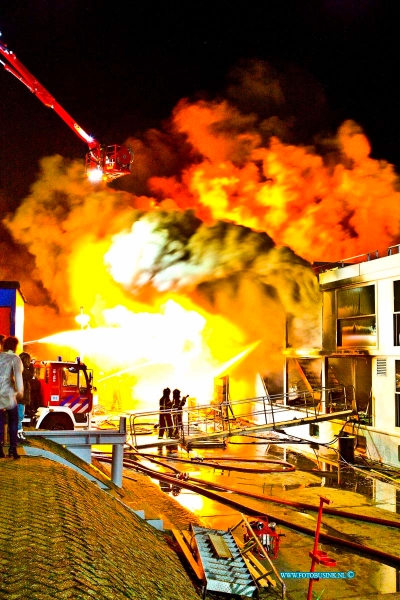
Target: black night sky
[120,70]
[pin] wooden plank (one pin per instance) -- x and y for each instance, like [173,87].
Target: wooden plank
[220,546]
[198,570]
[261,569]
[260,580]
[261,572]
[188,537]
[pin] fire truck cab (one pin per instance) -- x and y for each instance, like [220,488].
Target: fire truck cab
[62,396]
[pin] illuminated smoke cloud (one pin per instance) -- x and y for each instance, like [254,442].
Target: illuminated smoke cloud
[208,194]
[321,205]
[227,269]
[65,225]
[176,251]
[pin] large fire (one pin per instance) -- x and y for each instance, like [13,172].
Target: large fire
[138,354]
[204,257]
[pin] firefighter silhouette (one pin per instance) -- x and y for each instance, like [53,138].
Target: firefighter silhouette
[177,406]
[165,417]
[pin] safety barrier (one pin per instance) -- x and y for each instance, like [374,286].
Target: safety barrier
[80,443]
[270,411]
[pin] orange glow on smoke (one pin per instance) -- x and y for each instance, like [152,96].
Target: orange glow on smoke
[205,256]
[300,198]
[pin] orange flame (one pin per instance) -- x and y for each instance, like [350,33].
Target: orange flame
[191,266]
[140,354]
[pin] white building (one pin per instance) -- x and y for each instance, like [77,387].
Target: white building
[360,349]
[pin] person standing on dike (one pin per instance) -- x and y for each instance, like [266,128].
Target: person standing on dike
[11,390]
[24,403]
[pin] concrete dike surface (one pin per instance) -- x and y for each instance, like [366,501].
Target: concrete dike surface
[73,533]
[62,536]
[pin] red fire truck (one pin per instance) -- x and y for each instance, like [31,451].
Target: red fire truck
[62,395]
[61,392]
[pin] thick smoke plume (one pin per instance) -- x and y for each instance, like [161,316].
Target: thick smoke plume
[221,204]
[319,205]
[226,269]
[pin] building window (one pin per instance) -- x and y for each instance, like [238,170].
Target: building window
[397,395]
[356,319]
[396,311]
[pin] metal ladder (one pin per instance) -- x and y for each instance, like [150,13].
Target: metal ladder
[223,565]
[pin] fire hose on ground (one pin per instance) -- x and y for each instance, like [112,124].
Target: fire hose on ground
[384,557]
[300,505]
[285,466]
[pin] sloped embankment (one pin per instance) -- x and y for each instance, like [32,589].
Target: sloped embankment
[62,537]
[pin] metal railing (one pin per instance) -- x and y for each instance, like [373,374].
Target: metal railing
[210,417]
[346,262]
[359,258]
[229,416]
[391,249]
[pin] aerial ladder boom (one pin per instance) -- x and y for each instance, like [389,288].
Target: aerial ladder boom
[102,162]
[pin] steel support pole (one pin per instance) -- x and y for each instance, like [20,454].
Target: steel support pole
[117,464]
[117,461]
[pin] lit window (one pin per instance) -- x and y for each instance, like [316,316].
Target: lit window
[396,313]
[356,322]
